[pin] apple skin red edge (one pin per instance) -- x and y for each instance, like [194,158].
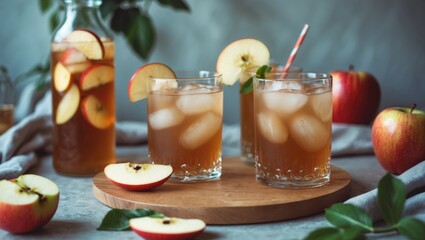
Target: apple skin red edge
[398,139]
[143,187]
[355,97]
[162,236]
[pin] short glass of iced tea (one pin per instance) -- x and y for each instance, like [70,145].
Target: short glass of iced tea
[293,129]
[185,118]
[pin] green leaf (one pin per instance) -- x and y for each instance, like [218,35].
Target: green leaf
[391,198]
[347,215]
[330,233]
[176,4]
[141,35]
[108,7]
[412,228]
[248,86]
[122,18]
[44,5]
[118,219]
[54,20]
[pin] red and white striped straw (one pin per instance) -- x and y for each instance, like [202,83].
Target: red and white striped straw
[295,51]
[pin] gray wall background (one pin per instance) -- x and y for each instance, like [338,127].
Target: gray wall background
[383,37]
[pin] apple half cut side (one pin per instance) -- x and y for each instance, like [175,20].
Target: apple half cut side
[138,177]
[27,203]
[61,77]
[96,75]
[68,105]
[137,87]
[96,113]
[167,228]
[239,56]
[88,43]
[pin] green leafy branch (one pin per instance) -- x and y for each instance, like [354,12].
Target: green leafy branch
[248,86]
[352,222]
[119,219]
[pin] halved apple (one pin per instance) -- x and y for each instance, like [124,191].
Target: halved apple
[167,228]
[138,177]
[27,203]
[61,77]
[96,113]
[88,43]
[96,75]
[137,87]
[239,56]
[68,105]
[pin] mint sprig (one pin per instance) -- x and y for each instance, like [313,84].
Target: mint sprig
[119,219]
[248,86]
[352,222]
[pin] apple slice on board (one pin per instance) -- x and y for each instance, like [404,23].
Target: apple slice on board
[240,55]
[61,77]
[138,177]
[88,43]
[96,75]
[68,105]
[96,113]
[137,87]
[27,203]
[167,228]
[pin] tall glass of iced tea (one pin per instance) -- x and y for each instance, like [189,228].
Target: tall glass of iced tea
[185,124]
[293,129]
[83,95]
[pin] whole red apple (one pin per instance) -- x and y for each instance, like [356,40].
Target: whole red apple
[355,96]
[398,138]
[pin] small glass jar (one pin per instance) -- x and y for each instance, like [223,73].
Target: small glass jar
[83,91]
[7,100]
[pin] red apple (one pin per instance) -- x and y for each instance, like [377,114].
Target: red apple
[355,97]
[96,75]
[167,228]
[88,43]
[27,203]
[138,177]
[398,138]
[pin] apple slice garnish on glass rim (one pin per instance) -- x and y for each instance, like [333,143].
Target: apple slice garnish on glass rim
[137,87]
[138,177]
[239,56]
[167,228]
[68,105]
[88,43]
[96,113]
[27,203]
[96,75]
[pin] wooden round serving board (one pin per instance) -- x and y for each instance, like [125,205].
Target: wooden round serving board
[237,198]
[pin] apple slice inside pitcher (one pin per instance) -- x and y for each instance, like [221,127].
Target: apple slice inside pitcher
[68,105]
[138,177]
[137,87]
[88,43]
[167,228]
[96,75]
[96,113]
[61,77]
[239,56]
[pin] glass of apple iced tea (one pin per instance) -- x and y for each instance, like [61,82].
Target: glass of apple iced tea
[293,129]
[185,124]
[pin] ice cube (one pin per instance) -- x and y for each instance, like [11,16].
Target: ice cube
[195,101]
[201,131]
[322,105]
[165,118]
[309,133]
[283,102]
[272,128]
